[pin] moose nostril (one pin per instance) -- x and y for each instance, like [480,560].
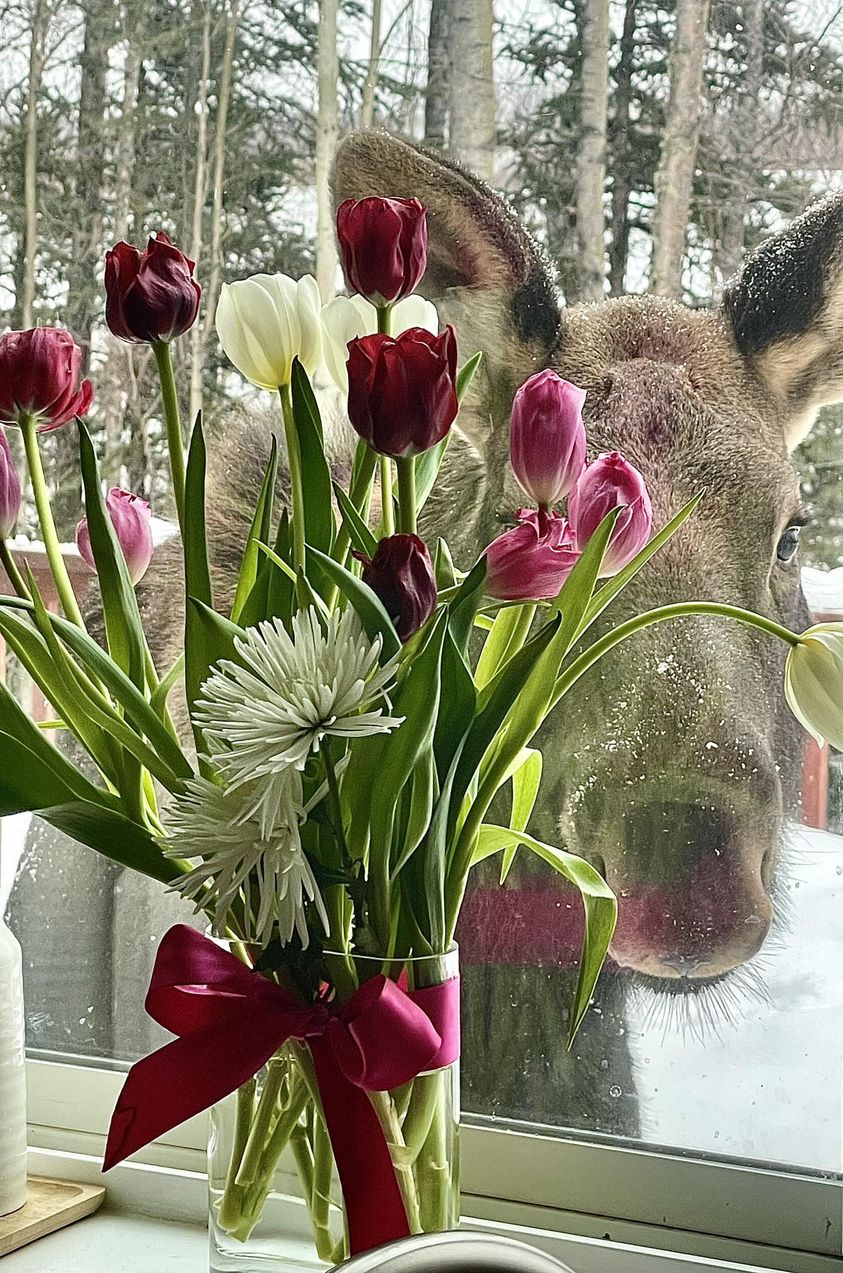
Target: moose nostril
[685,965]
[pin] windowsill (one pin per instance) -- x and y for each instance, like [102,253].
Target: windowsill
[157,1214]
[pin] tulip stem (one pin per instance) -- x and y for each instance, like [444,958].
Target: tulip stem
[387,509]
[678,610]
[294,464]
[10,566]
[172,421]
[407,495]
[64,587]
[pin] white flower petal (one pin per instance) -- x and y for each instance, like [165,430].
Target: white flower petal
[415,311]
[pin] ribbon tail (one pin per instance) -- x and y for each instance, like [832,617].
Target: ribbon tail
[184,1078]
[374,1207]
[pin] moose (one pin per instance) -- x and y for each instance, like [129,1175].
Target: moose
[674,769]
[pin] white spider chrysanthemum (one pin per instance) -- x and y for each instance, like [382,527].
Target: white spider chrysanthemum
[294,690]
[235,849]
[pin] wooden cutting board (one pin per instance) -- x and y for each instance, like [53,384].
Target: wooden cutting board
[50,1205]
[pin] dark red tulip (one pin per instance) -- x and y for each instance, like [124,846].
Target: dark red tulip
[39,376]
[10,494]
[150,295]
[402,396]
[401,574]
[383,243]
[532,561]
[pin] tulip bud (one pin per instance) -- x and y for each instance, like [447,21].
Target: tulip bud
[813,682]
[150,295]
[401,575]
[532,561]
[347,317]
[132,521]
[9,489]
[39,376]
[547,437]
[612,482]
[402,396]
[266,321]
[383,243]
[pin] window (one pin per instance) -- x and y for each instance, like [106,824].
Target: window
[711,1054]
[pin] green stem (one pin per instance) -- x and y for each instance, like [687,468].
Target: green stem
[172,421]
[262,1122]
[387,510]
[334,800]
[678,610]
[231,1209]
[11,568]
[296,488]
[64,587]
[320,1197]
[407,495]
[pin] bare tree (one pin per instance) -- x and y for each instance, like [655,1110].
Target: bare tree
[740,135]
[472,88]
[675,172]
[367,107]
[591,154]
[327,71]
[37,51]
[621,149]
[438,75]
[200,192]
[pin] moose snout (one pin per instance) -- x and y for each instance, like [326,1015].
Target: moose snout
[692,885]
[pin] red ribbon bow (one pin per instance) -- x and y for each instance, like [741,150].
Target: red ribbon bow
[230,1021]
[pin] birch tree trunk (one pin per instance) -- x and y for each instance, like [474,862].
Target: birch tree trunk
[675,173]
[591,155]
[202,331]
[621,148]
[326,143]
[437,89]
[367,107]
[37,50]
[471,137]
[200,191]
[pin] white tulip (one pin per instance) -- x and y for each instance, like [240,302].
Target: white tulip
[266,321]
[347,317]
[813,682]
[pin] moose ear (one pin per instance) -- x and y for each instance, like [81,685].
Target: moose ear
[786,311]
[475,240]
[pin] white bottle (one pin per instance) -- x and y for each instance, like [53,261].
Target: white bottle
[12,1076]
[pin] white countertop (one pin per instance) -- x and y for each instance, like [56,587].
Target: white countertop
[105,1243]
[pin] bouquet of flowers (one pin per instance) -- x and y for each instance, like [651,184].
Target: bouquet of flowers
[355,715]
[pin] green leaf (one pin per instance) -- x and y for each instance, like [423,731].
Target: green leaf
[259,532]
[358,532]
[423,794]
[373,616]
[443,566]
[158,701]
[599,904]
[280,593]
[29,781]
[316,476]
[526,780]
[466,374]
[508,632]
[123,627]
[219,633]
[575,594]
[618,582]
[464,604]
[197,577]
[457,705]
[16,727]
[115,837]
[428,465]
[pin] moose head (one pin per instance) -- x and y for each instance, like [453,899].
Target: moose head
[673,769]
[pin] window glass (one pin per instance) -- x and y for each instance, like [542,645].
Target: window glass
[716,1025]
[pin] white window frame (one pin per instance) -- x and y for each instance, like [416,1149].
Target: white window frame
[557,1183]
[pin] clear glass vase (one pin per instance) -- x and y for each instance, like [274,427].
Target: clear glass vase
[275,1201]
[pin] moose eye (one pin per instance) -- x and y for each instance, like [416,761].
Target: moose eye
[788,544]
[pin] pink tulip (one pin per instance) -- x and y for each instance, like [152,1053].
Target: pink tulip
[532,561]
[131,518]
[547,437]
[612,482]
[9,489]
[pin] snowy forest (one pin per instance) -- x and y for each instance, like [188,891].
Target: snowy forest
[647,143]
